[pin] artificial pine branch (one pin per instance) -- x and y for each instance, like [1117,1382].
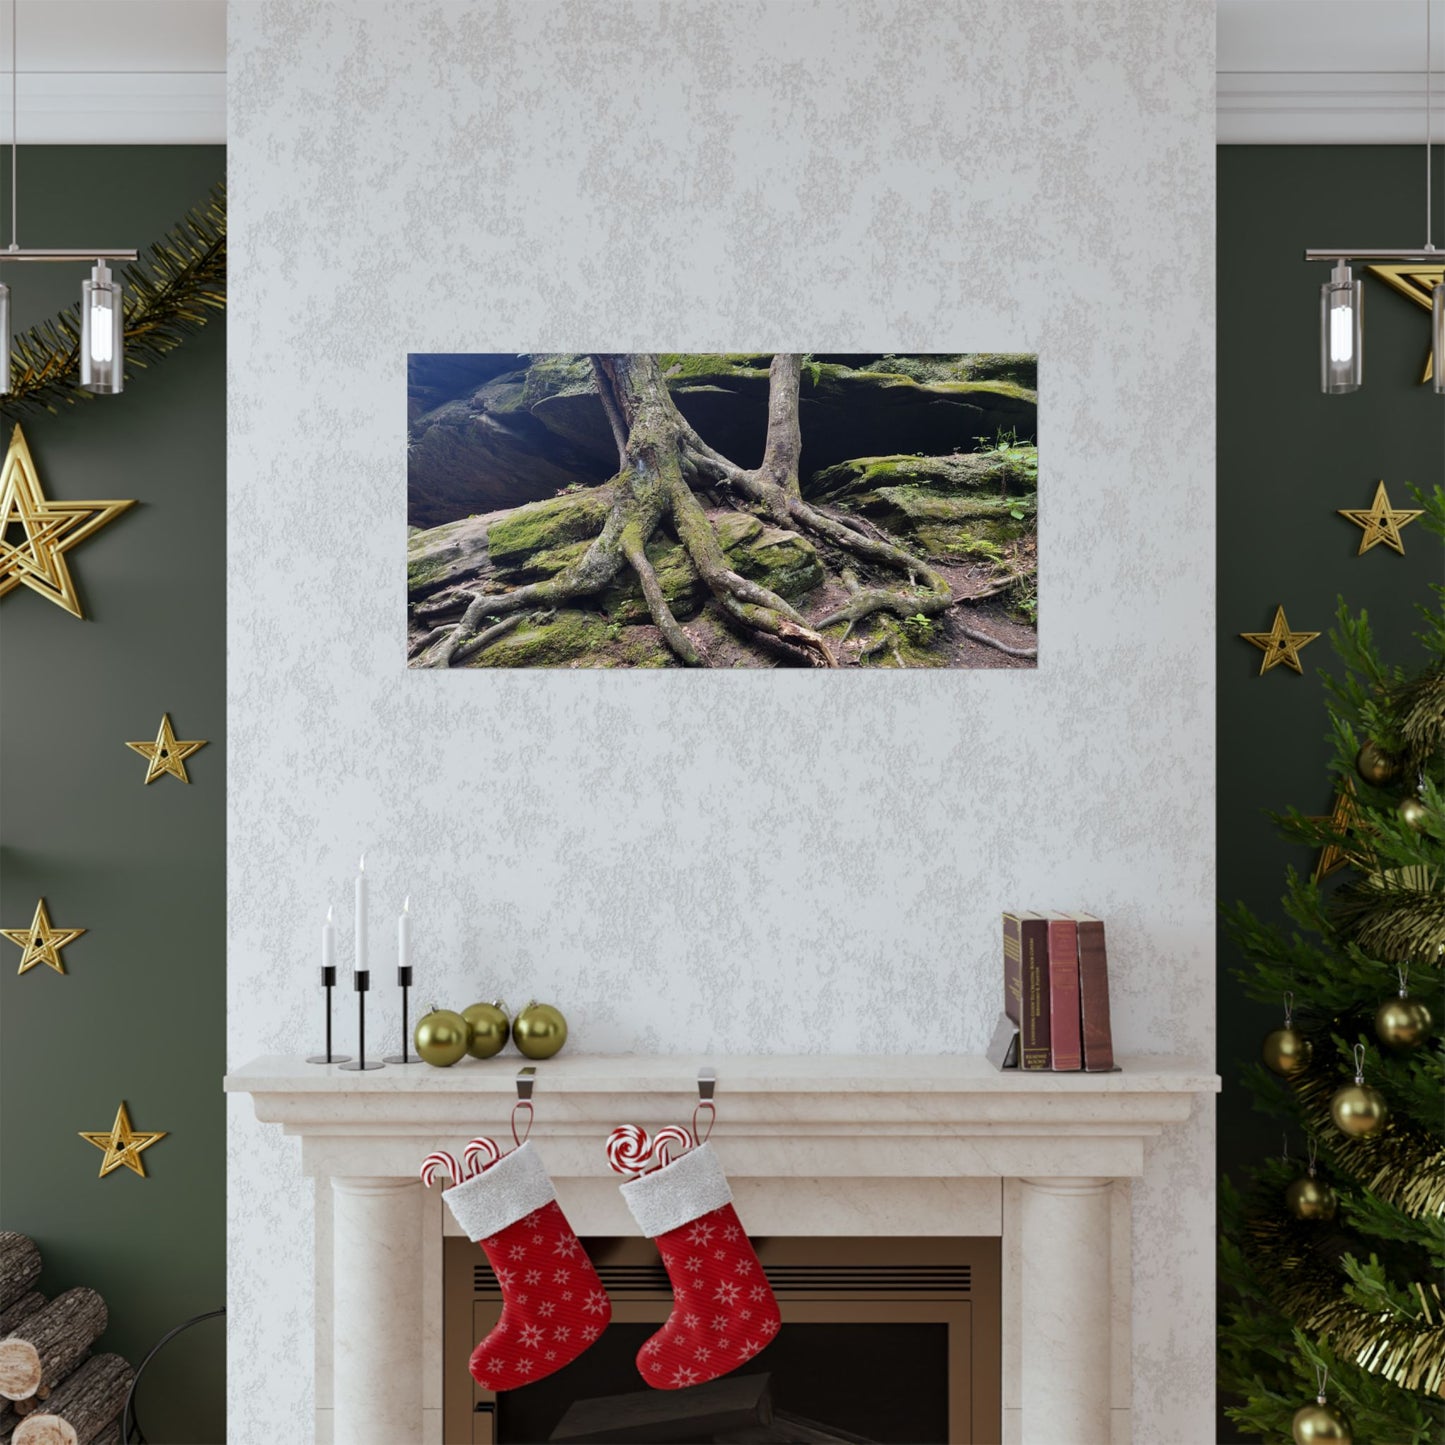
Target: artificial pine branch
[170,292]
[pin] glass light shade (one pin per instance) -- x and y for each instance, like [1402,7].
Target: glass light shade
[4,337]
[1437,335]
[102,334]
[1342,336]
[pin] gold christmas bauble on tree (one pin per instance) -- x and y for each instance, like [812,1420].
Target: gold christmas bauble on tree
[1375,766]
[1414,814]
[1358,1110]
[1287,1051]
[1311,1198]
[1314,1424]
[539,1031]
[442,1037]
[1403,1022]
[489,1027]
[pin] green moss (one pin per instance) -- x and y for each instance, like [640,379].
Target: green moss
[1014,468]
[682,368]
[514,541]
[957,542]
[573,638]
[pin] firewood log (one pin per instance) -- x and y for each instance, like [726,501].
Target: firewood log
[731,1403]
[79,1408]
[22,1308]
[49,1344]
[19,1266]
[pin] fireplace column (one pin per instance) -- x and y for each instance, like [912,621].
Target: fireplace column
[1064,1311]
[376,1310]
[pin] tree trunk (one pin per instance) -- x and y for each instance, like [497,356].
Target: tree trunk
[50,1343]
[19,1267]
[80,1408]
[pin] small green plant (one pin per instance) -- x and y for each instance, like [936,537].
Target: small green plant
[570,488]
[920,628]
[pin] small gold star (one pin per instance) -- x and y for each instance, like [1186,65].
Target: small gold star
[1344,819]
[47,530]
[1280,644]
[122,1144]
[166,755]
[41,942]
[1381,522]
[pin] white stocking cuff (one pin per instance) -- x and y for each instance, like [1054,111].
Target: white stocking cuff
[684,1190]
[510,1190]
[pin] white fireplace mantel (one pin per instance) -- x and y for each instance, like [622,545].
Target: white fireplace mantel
[813,1144]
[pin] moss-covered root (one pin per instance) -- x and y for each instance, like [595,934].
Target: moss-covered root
[634,548]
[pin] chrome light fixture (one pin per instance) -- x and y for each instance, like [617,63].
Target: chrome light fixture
[102,309]
[1342,298]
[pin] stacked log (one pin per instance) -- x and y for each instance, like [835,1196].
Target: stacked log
[51,1391]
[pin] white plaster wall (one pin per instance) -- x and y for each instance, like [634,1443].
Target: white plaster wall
[726,862]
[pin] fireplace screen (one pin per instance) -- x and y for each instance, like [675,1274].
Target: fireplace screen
[884,1340]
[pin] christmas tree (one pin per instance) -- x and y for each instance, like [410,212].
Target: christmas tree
[1340,1268]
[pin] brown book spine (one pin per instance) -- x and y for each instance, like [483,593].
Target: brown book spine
[1098,1037]
[1030,1008]
[1013,957]
[1064,995]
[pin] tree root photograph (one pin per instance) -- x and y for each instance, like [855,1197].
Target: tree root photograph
[782,510]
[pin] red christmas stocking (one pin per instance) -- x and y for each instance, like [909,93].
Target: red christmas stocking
[724,1311]
[553,1304]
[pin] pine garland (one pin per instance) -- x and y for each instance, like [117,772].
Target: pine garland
[170,292]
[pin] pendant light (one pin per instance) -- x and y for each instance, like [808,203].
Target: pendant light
[102,310]
[1342,297]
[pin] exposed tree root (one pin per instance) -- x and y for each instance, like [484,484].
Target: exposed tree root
[485,639]
[976,636]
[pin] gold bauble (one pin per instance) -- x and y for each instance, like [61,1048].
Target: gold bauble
[1311,1198]
[1315,1423]
[1287,1051]
[441,1037]
[1402,1023]
[1414,814]
[1375,766]
[490,1028]
[539,1031]
[1358,1110]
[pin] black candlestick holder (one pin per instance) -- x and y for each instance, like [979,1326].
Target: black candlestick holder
[362,979]
[403,980]
[328,982]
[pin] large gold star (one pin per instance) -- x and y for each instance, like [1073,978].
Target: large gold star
[122,1144]
[1345,818]
[1381,522]
[1418,282]
[36,532]
[1280,644]
[166,755]
[41,942]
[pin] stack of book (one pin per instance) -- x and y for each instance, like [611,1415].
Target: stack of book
[1056,994]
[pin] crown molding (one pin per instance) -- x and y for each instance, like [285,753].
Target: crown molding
[117,108]
[1261,107]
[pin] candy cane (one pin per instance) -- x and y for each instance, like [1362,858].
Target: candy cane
[482,1148]
[440,1160]
[663,1141]
[627,1149]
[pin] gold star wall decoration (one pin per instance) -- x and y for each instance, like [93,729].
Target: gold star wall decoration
[1344,819]
[122,1144]
[36,532]
[1418,282]
[41,942]
[1381,522]
[1280,645]
[167,754]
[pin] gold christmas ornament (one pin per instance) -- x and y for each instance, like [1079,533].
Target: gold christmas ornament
[1345,818]
[122,1144]
[1375,766]
[1311,1197]
[48,529]
[1287,1051]
[1279,644]
[41,942]
[441,1038]
[1414,814]
[1381,522]
[1357,1109]
[489,1027]
[1320,1423]
[166,754]
[1403,1022]
[539,1031]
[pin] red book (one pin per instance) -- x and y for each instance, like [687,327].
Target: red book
[1064,1034]
[1026,984]
[1094,995]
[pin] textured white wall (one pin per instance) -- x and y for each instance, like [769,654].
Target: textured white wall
[735,862]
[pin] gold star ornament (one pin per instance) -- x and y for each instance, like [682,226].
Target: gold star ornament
[1344,819]
[1381,522]
[36,532]
[1418,282]
[1279,644]
[166,754]
[122,1144]
[41,942]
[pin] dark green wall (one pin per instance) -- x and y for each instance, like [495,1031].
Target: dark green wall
[140,1014]
[1288,457]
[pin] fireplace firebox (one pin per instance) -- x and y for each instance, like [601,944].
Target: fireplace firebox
[883,1340]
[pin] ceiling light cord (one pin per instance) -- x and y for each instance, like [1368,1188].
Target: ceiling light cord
[1429,126]
[14,131]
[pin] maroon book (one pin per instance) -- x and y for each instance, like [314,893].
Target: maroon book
[1026,984]
[1064,994]
[1094,995]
